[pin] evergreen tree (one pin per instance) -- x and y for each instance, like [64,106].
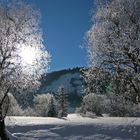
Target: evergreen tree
[45,105]
[52,108]
[62,102]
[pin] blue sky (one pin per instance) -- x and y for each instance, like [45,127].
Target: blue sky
[64,23]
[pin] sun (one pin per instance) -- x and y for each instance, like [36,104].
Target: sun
[27,55]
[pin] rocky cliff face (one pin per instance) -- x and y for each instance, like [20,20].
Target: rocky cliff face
[71,80]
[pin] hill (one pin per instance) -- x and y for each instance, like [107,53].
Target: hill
[71,80]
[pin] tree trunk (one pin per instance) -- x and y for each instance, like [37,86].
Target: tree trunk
[3,134]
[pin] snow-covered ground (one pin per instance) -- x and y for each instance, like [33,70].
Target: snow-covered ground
[74,127]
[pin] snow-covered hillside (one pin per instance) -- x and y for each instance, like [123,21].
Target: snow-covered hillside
[72,84]
[70,79]
[74,127]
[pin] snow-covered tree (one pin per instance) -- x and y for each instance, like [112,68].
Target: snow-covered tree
[23,57]
[52,112]
[92,104]
[14,108]
[119,106]
[114,46]
[44,104]
[29,111]
[62,99]
[96,80]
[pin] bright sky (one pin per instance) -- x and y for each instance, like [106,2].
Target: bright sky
[64,23]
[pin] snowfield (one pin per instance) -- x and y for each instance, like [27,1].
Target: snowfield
[73,127]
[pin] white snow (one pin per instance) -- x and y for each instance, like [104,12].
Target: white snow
[74,127]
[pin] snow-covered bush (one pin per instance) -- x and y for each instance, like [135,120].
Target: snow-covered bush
[14,108]
[91,104]
[45,105]
[29,112]
[119,106]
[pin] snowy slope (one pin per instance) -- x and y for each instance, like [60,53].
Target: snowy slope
[72,84]
[74,127]
[70,79]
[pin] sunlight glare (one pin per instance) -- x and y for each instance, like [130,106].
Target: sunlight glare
[28,55]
